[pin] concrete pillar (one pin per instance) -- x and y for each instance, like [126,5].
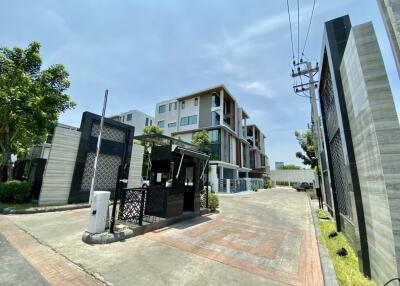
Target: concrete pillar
[228,186]
[213,178]
[221,101]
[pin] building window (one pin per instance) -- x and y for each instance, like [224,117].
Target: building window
[129,117]
[147,121]
[161,123]
[196,101]
[151,122]
[175,105]
[189,120]
[214,136]
[215,101]
[215,118]
[123,118]
[170,106]
[172,124]
[161,108]
[183,105]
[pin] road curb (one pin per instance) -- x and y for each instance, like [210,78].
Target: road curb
[8,211]
[106,237]
[328,270]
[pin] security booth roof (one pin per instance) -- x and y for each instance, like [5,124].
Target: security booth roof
[175,145]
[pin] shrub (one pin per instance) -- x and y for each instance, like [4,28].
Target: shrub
[267,183]
[254,188]
[312,194]
[213,201]
[15,191]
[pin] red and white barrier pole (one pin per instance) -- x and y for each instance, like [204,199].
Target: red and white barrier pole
[98,147]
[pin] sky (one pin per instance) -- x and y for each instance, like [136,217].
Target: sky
[148,51]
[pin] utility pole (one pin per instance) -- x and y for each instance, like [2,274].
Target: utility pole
[309,71]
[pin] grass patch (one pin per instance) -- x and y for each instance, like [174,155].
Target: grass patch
[346,268]
[323,214]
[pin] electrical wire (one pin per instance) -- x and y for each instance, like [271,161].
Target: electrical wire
[298,31]
[308,29]
[290,26]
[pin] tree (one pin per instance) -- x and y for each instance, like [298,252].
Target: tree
[290,167]
[307,144]
[148,130]
[31,100]
[201,139]
[152,129]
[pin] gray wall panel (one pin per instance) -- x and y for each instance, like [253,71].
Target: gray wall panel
[376,136]
[60,167]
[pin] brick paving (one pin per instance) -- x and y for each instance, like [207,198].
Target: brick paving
[275,251]
[53,267]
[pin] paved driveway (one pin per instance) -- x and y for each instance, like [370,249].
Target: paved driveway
[264,238]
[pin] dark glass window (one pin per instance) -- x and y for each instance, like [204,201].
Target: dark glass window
[161,123]
[161,108]
[183,105]
[129,117]
[196,101]
[175,105]
[147,121]
[172,124]
[215,101]
[189,120]
[170,107]
[215,118]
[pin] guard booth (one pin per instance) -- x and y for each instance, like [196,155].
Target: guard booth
[177,173]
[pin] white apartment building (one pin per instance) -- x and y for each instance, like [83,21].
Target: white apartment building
[135,118]
[237,149]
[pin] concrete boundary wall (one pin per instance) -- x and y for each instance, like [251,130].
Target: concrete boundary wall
[297,176]
[376,136]
[135,167]
[60,166]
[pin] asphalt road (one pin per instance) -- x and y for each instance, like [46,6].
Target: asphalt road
[15,270]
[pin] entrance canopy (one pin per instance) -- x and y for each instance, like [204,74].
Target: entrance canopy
[163,140]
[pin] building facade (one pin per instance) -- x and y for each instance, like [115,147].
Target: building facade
[390,10]
[237,149]
[135,118]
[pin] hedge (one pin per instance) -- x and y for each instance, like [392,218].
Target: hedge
[15,191]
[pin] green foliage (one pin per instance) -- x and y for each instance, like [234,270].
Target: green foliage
[15,191]
[307,144]
[31,99]
[321,214]
[267,183]
[153,129]
[201,139]
[254,188]
[282,183]
[346,267]
[148,130]
[290,167]
[213,201]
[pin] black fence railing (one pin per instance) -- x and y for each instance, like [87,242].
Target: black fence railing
[138,205]
[132,205]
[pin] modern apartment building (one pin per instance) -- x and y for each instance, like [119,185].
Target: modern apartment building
[237,149]
[135,118]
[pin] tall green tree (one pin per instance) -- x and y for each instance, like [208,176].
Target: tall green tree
[201,139]
[31,99]
[306,142]
[148,130]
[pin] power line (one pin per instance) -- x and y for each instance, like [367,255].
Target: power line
[308,29]
[290,26]
[298,31]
